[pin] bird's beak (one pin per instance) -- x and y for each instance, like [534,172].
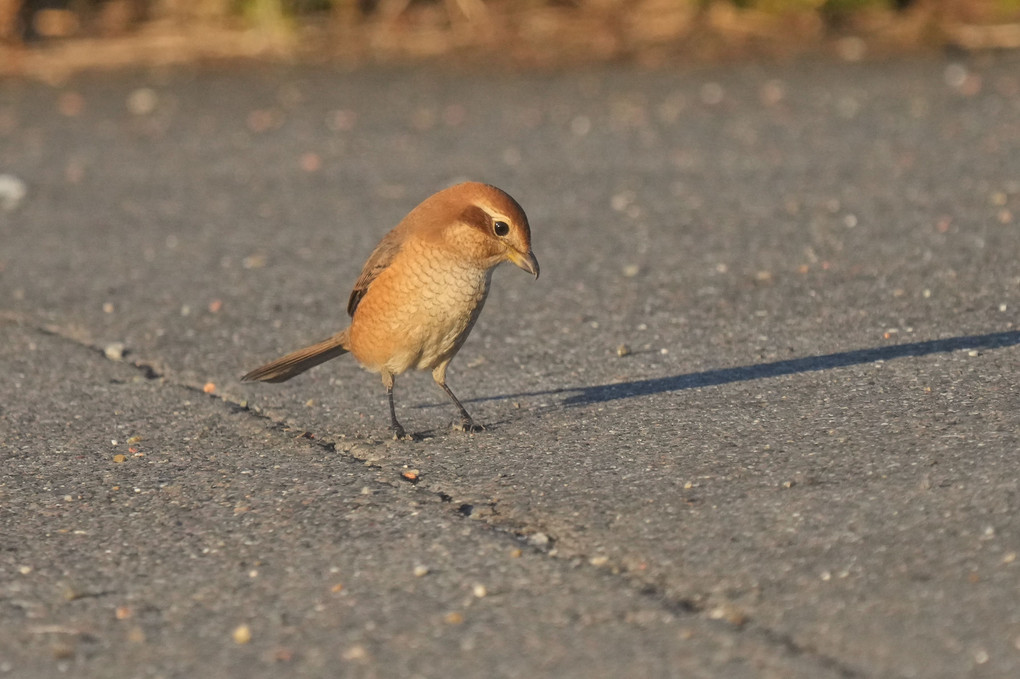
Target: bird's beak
[525,261]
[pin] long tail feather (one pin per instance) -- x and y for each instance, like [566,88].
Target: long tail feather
[297,362]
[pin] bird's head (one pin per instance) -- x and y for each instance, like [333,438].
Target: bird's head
[486,225]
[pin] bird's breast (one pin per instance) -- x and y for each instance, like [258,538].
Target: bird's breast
[418,312]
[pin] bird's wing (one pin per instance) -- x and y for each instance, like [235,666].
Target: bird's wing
[381,258]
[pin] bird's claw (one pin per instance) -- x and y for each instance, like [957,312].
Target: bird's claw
[400,435]
[469,426]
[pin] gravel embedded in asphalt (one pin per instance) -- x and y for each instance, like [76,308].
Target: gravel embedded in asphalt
[804,463]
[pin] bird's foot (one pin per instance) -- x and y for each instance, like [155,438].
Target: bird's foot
[468,425]
[400,435]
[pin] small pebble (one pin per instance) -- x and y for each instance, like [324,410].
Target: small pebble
[256,261]
[479,590]
[311,162]
[623,350]
[12,192]
[539,539]
[730,613]
[142,101]
[72,593]
[621,201]
[421,571]
[241,634]
[955,75]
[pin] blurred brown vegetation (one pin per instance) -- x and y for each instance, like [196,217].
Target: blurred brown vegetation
[66,35]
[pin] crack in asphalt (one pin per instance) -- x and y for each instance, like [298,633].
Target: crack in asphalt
[464,509]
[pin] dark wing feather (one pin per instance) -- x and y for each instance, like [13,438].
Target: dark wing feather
[381,258]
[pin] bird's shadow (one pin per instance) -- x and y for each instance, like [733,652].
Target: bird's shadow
[586,395]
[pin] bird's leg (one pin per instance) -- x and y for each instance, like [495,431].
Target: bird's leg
[398,432]
[466,423]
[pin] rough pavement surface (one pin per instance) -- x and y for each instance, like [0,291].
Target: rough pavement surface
[758,417]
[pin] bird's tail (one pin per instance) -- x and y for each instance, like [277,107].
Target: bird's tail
[297,362]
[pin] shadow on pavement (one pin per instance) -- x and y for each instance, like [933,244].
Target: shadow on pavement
[708,378]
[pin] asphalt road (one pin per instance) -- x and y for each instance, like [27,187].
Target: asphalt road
[804,464]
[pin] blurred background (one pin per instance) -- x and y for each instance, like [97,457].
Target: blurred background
[50,37]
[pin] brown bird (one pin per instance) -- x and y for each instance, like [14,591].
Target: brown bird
[421,290]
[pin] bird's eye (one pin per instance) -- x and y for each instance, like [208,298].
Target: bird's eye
[501,228]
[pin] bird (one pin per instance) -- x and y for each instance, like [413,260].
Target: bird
[421,291]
